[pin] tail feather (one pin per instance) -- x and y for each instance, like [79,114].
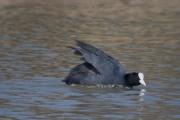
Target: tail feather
[70,81]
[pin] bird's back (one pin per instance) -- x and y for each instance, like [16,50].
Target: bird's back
[98,68]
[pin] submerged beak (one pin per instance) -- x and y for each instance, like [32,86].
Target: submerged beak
[142,82]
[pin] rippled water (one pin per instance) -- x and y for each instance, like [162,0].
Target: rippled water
[143,35]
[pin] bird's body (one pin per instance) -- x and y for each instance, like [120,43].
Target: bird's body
[98,68]
[86,74]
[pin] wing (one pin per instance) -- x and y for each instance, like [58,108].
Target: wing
[101,61]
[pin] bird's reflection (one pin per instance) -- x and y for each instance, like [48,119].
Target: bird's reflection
[141,94]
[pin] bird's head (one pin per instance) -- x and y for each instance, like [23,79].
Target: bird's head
[134,79]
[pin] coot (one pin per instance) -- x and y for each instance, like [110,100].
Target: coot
[99,68]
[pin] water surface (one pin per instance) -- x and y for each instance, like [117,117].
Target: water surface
[144,36]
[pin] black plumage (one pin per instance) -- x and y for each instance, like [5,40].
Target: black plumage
[98,68]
